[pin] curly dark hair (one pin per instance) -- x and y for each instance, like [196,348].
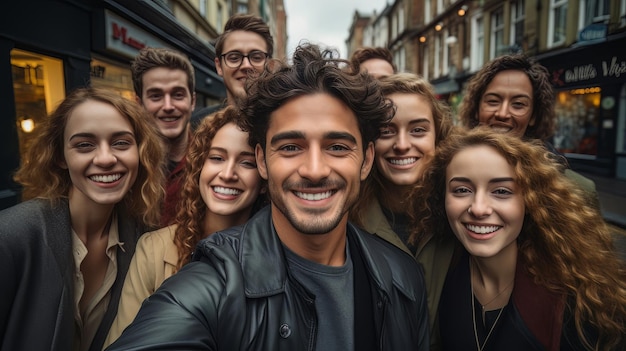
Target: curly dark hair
[564,242]
[314,71]
[543,93]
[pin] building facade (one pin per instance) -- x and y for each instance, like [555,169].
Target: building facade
[50,47]
[580,42]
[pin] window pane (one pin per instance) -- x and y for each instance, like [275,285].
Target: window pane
[517,22]
[577,114]
[112,76]
[497,29]
[38,85]
[560,18]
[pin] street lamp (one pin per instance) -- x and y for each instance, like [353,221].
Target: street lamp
[462,11]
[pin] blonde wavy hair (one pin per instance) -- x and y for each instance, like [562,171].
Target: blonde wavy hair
[42,176]
[564,243]
[192,208]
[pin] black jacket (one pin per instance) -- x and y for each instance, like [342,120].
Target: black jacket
[239,295]
[36,276]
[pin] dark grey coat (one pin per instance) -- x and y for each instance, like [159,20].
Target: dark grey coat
[36,276]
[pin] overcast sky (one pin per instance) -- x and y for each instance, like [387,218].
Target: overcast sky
[324,22]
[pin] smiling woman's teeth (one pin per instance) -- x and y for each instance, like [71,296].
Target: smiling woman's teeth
[105,178]
[482,229]
[226,191]
[404,161]
[314,197]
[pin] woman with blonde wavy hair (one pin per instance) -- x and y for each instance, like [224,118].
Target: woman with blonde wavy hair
[535,267]
[221,188]
[94,176]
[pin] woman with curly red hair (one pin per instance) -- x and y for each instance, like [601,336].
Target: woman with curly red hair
[221,188]
[535,267]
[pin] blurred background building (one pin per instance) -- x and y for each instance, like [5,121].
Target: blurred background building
[50,47]
[581,42]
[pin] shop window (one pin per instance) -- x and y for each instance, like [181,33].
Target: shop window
[578,117]
[38,86]
[109,75]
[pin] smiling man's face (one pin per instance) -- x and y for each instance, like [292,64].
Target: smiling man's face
[314,163]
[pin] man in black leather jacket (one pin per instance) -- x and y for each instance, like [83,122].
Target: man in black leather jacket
[297,276]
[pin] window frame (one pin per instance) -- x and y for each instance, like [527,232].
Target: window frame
[557,5]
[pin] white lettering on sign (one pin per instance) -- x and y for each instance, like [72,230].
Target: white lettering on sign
[614,68]
[579,73]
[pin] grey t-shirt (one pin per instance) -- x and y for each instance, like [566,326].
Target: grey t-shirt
[333,288]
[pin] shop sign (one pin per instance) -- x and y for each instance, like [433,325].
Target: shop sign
[578,73]
[612,67]
[593,31]
[125,38]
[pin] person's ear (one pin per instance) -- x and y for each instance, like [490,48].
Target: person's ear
[260,161]
[218,67]
[368,161]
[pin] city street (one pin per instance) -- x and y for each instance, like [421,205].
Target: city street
[612,194]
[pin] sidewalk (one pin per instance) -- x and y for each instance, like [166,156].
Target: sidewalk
[612,194]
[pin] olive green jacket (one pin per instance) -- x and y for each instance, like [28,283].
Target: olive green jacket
[434,257]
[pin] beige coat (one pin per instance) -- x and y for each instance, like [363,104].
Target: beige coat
[154,261]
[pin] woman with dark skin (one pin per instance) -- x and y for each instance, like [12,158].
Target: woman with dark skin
[512,94]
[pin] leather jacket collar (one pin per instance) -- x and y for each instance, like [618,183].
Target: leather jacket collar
[265,274]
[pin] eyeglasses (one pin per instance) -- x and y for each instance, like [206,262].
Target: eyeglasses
[516,107]
[234,59]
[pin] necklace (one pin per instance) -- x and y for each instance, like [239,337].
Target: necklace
[493,326]
[495,297]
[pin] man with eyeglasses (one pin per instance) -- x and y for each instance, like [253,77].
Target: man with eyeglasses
[241,51]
